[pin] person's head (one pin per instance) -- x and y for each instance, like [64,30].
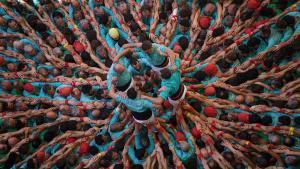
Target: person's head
[209,9]
[183,42]
[18,45]
[3,22]
[265,31]
[146,11]
[267,120]
[184,25]
[218,31]
[119,68]
[12,141]
[13,24]
[254,118]
[72,160]
[274,139]
[221,93]
[291,160]
[49,89]
[185,13]
[77,15]
[140,153]
[229,156]
[87,89]
[119,166]
[267,12]
[61,163]
[228,20]
[137,166]
[199,76]
[6,85]
[122,7]
[51,41]
[253,43]
[132,93]
[293,103]
[135,63]
[147,47]
[246,15]
[30,50]
[166,73]
[91,35]
[135,29]
[284,120]
[212,164]
[262,161]
[281,25]
[231,9]
[289,141]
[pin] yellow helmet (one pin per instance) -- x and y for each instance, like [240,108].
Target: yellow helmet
[114,33]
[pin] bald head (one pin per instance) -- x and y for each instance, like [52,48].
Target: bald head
[184,146]
[119,68]
[30,50]
[209,9]
[18,45]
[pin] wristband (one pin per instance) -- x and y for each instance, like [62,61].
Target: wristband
[81,119]
[3,114]
[257,125]
[151,31]
[79,104]
[275,128]
[238,42]
[208,141]
[247,143]
[66,64]
[66,101]
[73,53]
[220,134]
[73,84]
[200,155]
[291,131]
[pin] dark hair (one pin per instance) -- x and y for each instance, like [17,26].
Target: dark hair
[49,136]
[268,62]
[131,93]
[91,35]
[183,42]
[200,143]
[290,20]
[289,141]
[85,56]
[39,120]
[99,140]
[98,94]
[69,58]
[61,163]
[94,150]
[197,106]
[165,73]
[262,162]
[57,14]
[213,164]
[128,17]
[86,127]
[267,120]
[221,93]
[184,22]
[119,166]
[297,120]
[86,89]
[243,135]
[228,42]
[143,36]
[267,12]
[250,74]
[184,13]
[139,153]
[266,30]
[218,145]
[133,61]
[146,45]
[146,7]
[30,164]
[255,88]
[122,42]
[163,15]
[12,157]
[244,49]
[173,120]
[36,142]
[253,41]
[284,120]
[199,76]
[246,15]
[137,166]
[103,19]
[254,118]
[134,27]
[281,24]
[229,156]
[24,148]
[223,117]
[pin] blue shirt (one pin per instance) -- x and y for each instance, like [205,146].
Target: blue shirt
[123,78]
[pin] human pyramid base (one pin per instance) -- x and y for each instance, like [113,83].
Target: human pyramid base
[149,84]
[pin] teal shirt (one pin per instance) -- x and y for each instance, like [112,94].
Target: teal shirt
[155,58]
[274,38]
[136,105]
[183,156]
[170,86]
[116,134]
[123,78]
[144,67]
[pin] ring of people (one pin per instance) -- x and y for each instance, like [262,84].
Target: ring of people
[149,84]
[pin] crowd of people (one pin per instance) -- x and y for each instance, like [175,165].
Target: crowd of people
[168,84]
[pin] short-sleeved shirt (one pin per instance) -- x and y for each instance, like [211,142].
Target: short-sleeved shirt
[136,105]
[155,58]
[123,78]
[170,86]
